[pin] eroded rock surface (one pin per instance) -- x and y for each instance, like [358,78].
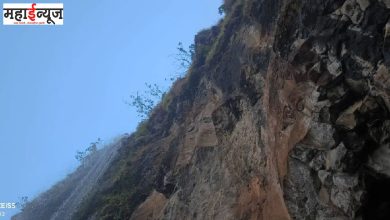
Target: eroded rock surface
[283,115]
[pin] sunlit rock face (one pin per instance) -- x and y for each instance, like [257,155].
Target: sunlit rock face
[284,114]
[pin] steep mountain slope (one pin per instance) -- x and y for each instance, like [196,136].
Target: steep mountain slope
[63,199]
[284,114]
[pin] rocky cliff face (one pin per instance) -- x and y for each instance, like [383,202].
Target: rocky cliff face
[284,114]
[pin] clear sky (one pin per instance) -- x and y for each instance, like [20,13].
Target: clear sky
[63,87]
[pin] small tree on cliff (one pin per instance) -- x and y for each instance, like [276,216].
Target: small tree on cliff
[145,103]
[23,201]
[221,9]
[91,150]
[185,56]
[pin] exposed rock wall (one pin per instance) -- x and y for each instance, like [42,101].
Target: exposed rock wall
[334,169]
[284,114]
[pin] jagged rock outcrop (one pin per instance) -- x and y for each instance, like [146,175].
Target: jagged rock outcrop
[284,114]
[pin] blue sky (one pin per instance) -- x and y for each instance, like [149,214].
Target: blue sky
[63,87]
